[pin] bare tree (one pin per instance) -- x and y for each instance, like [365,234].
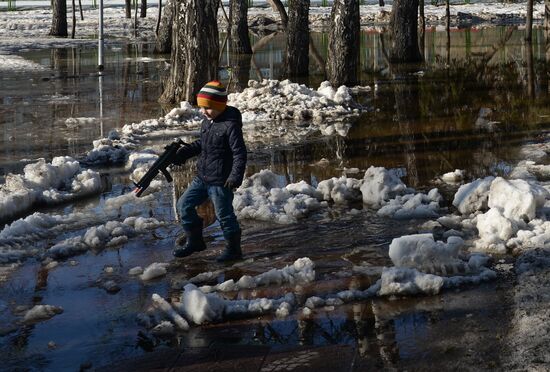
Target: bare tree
[529,21]
[74,19]
[344,42]
[404,31]
[297,38]
[195,50]
[164,35]
[421,27]
[128,6]
[238,17]
[59,18]
[143,12]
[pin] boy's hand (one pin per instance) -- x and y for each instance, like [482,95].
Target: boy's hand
[230,185]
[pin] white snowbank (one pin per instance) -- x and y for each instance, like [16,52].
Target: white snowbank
[284,100]
[513,203]
[26,236]
[380,185]
[62,180]
[264,196]
[473,196]
[14,63]
[301,271]
[413,206]
[107,235]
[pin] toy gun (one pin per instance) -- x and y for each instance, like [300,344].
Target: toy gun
[160,165]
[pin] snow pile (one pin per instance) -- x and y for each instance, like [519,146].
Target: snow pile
[380,185]
[41,312]
[13,63]
[417,258]
[261,197]
[413,206]
[25,236]
[264,196]
[473,196]
[116,147]
[340,190]
[513,204]
[196,307]
[60,181]
[111,234]
[301,271]
[283,100]
[110,150]
[453,177]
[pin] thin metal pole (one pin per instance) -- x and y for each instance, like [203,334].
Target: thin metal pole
[100,46]
[100,104]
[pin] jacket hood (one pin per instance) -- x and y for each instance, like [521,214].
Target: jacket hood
[230,114]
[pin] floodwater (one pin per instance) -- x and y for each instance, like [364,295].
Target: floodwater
[427,122]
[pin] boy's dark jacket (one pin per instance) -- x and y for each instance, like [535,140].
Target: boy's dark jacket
[221,149]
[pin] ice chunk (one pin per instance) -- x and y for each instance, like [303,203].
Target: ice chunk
[154,270]
[407,281]
[199,307]
[167,309]
[41,312]
[379,185]
[517,199]
[423,253]
[473,196]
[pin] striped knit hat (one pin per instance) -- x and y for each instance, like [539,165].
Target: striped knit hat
[213,95]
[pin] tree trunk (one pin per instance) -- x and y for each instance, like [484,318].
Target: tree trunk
[128,9]
[404,31]
[240,71]
[448,29]
[529,21]
[59,18]
[80,8]
[407,114]
[195,50]
[422,27]
[143,12]
[297,38]
[164,37]
[344,42]
[73,31]
[238,16]
[277,6]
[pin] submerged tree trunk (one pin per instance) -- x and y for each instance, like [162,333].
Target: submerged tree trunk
[164,36]
[529,21]
[297,38]
[344,41]
[238,17]
[404,31]
[143,12]
[128,9]
[277,6]
[195,50]
[59,18]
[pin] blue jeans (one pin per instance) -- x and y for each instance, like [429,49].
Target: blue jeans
[222,198]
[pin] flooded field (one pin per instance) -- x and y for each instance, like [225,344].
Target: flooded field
[471,106]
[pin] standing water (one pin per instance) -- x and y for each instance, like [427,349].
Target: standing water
[471,108]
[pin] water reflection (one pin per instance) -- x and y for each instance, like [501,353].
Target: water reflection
[58,111]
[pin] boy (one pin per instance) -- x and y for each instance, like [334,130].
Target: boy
[220,170]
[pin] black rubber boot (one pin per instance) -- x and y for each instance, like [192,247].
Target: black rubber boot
[232,248]
[194,243]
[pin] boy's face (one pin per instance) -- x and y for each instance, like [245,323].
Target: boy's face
[210,113]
